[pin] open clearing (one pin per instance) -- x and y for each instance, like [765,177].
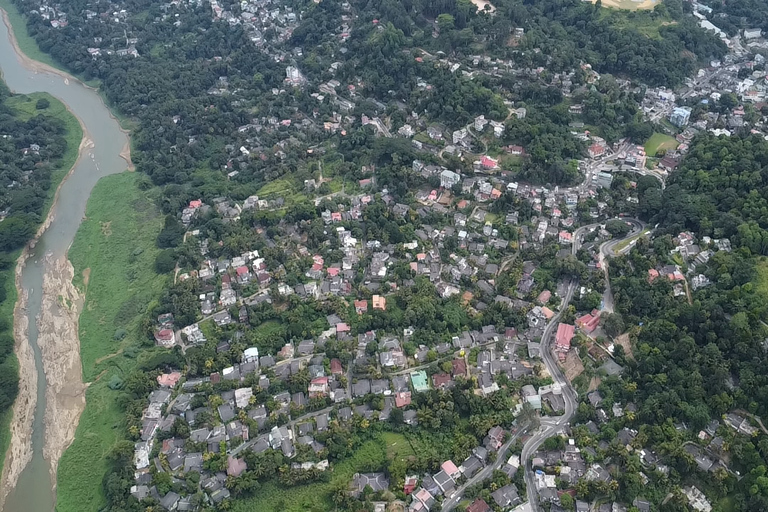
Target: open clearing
[629,5]
[658,142]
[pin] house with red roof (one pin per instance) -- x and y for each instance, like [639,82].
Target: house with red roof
[318,387]
[333,271]
[596,150]
[168,380]
[589,322]
[487,162]
[410,484]
[563,338]
[441,380]
[197,203]
[479,505]
[342,327]
[652,274]
[459,367]
[402,399]
[361,306]
[450,469]
[336,368]
[165,337]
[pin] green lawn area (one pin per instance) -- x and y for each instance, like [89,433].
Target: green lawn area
[398,446]
[659,141]
[623,244]
[115,249]
[316,497]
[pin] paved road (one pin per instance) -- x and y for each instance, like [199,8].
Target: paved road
[485,473]
[550,426]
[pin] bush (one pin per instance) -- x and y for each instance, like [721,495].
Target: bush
[120,334]
[42,104]
[115,382]
[165,261]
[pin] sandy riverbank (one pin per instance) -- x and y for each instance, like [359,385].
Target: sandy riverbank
[60,347]
[20,449]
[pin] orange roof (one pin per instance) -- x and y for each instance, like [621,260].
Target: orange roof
[379,302]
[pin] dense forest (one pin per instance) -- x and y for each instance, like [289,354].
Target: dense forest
[700,359]
[181,62]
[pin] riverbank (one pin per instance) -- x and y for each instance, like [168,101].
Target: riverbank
[113,258]
[17,427]
[48,66]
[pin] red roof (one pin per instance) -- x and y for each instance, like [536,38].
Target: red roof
[402,399]
[588,323]
[333,271]
[197,203]
[459,367]
[410,484]
[336,366]
[564,335]
[342,327]
[241,271]
[441,380]
[164,335]
[479,505]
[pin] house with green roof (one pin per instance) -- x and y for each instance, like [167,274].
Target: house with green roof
[419,381]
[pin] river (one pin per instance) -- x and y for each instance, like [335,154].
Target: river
[56,393]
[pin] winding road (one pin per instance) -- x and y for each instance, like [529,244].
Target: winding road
[550,425]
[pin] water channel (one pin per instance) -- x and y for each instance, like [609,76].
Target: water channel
[34,489]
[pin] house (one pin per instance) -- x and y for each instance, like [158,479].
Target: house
[450,469]
[419,381]
[376,481]
[361,306]
[402,399]
[165,338]
[449,178]
[479,505]
[444,481]
[379,302]
[596,150]
[506,496]
[588,322]
[563,339]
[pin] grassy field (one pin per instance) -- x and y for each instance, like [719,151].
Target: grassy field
[629,5]
[115,249]
[315,497]
[397,446]
[761,283]
[658,142]
[24,105]
[624,243]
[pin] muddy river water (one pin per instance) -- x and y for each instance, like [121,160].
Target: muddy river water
[52,394]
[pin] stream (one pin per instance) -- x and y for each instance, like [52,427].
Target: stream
[101,155]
